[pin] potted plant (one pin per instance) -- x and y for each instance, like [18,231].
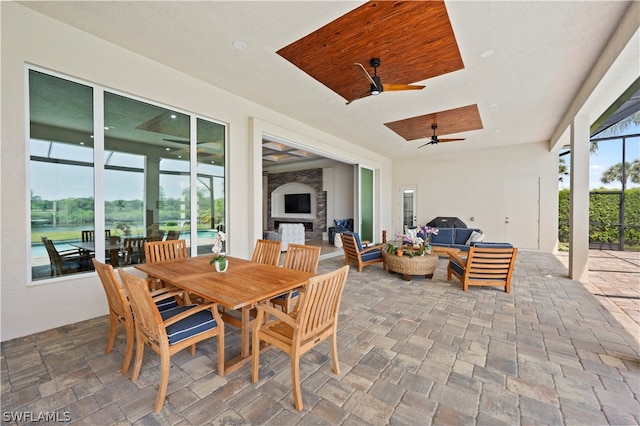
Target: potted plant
[219,259]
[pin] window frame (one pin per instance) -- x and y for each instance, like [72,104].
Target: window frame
[99,167]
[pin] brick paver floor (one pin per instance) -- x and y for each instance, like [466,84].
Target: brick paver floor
[553,351]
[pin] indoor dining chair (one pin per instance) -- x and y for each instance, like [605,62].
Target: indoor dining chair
[301,258]
[314,319]
[170,331]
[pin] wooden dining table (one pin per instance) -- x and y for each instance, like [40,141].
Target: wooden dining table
[113,248]
[240,288]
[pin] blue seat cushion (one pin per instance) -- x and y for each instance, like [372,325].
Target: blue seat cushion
[294,293]
[374,254]
[191,326]
[462,235]
[444,236]
[165,304]
[457,267]
[491,245]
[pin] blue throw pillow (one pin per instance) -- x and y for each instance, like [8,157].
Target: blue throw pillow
[341,225]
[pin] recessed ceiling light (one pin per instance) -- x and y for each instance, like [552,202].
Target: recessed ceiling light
[274,146]
[168,149]
[81,143]
[240,45]
[493,105]
[499,131]
[486,54]
[331,101]
[173,116]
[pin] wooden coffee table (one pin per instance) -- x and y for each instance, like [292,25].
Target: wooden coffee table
[409,266]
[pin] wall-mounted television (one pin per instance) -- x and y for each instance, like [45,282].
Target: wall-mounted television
[297,203]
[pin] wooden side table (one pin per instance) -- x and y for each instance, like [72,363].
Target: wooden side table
[409,266]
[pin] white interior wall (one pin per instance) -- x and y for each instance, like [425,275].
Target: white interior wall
[471,184]
[31,38]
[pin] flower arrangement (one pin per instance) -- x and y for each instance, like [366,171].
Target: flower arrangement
[217,249]
[419,238]
[425,232]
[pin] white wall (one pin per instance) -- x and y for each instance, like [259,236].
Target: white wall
[28,37]
[471,184]
[339,184]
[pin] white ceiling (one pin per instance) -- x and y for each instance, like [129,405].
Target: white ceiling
[543,51]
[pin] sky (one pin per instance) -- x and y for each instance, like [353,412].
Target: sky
[608,154]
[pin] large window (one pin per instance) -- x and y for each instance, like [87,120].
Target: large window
[145,177]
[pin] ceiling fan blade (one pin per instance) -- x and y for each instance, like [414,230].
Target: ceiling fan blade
[449,140]
[428,143]
[364,71]
[398,87]
[362,95]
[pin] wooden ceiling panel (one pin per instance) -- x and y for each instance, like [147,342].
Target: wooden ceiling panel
[414,41]
[455,120]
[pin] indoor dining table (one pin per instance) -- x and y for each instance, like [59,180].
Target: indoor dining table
[241,287]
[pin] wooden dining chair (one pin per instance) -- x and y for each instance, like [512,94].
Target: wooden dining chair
[133,248]
[314,319]
[162,251]
[66,261]
[170,331]
[120,309]
[89,235]
[267,252]
[173,235]
[301,258]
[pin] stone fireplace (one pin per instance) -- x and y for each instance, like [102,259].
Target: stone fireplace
[303,181]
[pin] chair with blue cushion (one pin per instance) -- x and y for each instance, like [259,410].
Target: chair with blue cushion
[301,258]
[354,252]
[170,331]
[120,310]
[488,264]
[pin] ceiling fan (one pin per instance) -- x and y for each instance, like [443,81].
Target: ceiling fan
[376,86]
[435,140]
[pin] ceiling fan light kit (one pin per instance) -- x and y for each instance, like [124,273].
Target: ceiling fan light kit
[375,83]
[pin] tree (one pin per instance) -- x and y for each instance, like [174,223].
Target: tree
[621,126]
[563,169]
[614,173]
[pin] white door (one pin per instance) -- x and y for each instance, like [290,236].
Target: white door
[522,212]
[408,195]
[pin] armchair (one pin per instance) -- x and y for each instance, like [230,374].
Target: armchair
[291,233]
[486,264]
[353,251]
